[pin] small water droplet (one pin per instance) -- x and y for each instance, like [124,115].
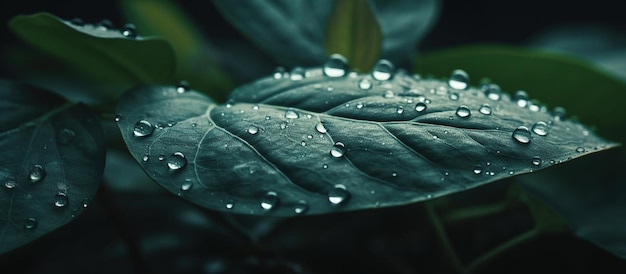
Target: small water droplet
[303,143]
[145,158]
[77,21]
[485,109]
[255,107]
[60,200]
[521,97]
[320,128]
[522,135]
[230,205]
[540,128]
[37,173]
[187,184]
[143,128]
[177,161]
[477,170]
[182,86]
[291,114]
[118,117]
[283,126]
[278,73]
[335,66]
[252,129]
[270,200]
[10,184]
[580,149]
[453,96]
[161,157]
[400,110]
[419,107]
[104,25]
[463,111]
[129,31]
[359,105]
[389,94]
[492,91]
[383,70]
[338,150]
[365,84]
[558,113]
[301,208]
[537,161]
[459,80]
[338,195]
[31,223]
[297,74]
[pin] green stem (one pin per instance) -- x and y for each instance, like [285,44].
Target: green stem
[474,212]
[500,250]
[442,238]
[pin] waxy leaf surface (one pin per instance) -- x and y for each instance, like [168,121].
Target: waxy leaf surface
[308,143]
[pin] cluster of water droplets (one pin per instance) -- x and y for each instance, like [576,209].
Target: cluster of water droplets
[128,30]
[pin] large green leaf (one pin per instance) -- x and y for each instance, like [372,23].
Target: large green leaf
[53,158]
[103,53]
[312,143]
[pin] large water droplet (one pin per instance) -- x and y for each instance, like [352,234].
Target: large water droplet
[10,184]
[522,135]
[463,111]
[187,184]
[383,70]
[31,223]
[182,86]
[540,128]
[537,161]
[176,161]
[365,84]
[320,128]
[278,73]
[291,114]
[143,128]
[60,200]
[37,173]
[419,107]
[338,150]
[459,80]
[270,200]
[485,109]
[252,129]
[65,136]
[297,74]
[129,31]
[301,208]
[492,91]
[338,195]
[336,66]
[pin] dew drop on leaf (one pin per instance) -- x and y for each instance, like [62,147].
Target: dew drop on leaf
[37,173]
[143,128]
[335,66]
[338,194]
[453,96]
[252,130]
[492,91]
[270,200]
[31,223]
[118,117]
[60,200]
[477,170]
[230,205]
[176,161]
[182,87]
[459,80]
[320,128]
[389,94]
[540,128]
[301,207]
[186,185]
[383,70]
[400,110]
[521,98]
[522,135]
[365,84]
[485,109]
[359,105]
[537,161]
[338,150]
[10,184]
[278,73]
[419,107]
[558,113]
[66,135]
[129,31]
[291,114]
[463,111]
[580,149]
[297,74]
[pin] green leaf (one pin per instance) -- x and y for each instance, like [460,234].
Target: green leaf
[315,144]
[53,158]
[102,53]
[193,53]
[353,31]
[559,80]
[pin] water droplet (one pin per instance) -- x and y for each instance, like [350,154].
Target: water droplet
[118,117]
[320,128]
[338,195]
[359,105]
[143,128]
[31,223]
[303,143]
[521,97]
[252,130]
[540,128]
[230,205]
[522,135]
[400,110]
[104,25]
[283,126]
[161,157]
[37,173]
[65,136]
[336,66]
[297,74]
[580,149]
[453,96]
[492,91]
[60,200]
[301,208]
[182,86]
[485,109]
[255,107]
[389,94]
[186,185]
[558,113]
[477,170]
[145,158]
[463,111]
[537,161]
[278,73]
[77,21]
[270,200]
[365,84]
[338,150]
[419,107]
[129,31]
[383,70]
[291,114]
[459,80]
[177,161]
[10,184]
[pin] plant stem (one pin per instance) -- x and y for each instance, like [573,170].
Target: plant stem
[500,250]
[442,238]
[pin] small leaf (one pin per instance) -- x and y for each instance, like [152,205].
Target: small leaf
[316,144]
[102,52]
[53,158]
[353,31]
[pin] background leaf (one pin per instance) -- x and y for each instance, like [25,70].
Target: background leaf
[317,144]
[353,31]
[54,161]
[101,53]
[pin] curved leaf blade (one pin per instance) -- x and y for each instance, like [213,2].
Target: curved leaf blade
[52,164]
[102,53]
[274,148]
